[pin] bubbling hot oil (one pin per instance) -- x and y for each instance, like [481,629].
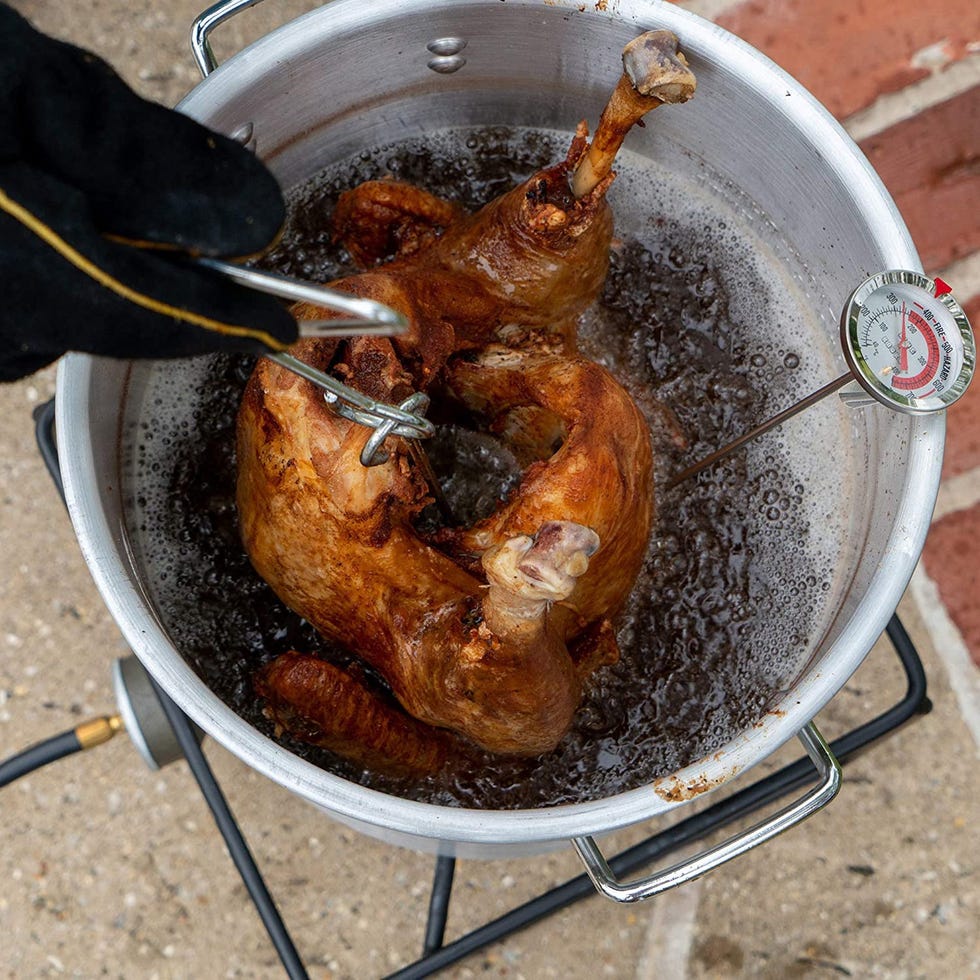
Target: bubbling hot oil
[736,588]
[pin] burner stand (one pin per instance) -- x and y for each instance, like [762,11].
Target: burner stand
[436,955]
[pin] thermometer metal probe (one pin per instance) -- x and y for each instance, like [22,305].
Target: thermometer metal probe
[906,341]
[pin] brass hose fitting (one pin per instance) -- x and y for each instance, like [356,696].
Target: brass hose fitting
[97,731]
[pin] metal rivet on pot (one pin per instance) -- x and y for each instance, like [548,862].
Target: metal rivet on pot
[447,65]
[447,54]
[446,45]
[244,135]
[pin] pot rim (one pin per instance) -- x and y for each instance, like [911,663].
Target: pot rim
[133,610]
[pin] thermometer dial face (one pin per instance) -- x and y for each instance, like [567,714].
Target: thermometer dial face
[908,342]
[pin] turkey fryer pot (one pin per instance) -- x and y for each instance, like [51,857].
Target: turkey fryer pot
[351,75]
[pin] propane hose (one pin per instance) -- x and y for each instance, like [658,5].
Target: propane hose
[89,734]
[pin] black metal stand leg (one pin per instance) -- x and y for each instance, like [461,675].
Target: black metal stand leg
[251,876]
[435,955]
[232,835]
[442,886]
[47,444]
[700,825]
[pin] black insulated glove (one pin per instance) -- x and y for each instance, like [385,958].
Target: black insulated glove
[104,199]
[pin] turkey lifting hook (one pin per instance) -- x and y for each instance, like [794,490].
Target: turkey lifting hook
[406,420]
[370,318]
[358,407]
[372,454]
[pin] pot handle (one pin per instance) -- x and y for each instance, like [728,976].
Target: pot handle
[608,885]
[207,22]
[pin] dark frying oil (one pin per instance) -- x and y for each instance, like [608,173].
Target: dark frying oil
[733,578]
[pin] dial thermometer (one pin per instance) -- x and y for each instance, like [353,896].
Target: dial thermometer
[906,341]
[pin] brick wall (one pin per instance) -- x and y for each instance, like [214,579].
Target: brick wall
[905,82]
[930,161]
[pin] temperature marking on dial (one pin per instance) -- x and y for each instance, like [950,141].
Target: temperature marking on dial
[929,362]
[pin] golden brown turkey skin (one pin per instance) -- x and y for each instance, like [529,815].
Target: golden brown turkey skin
[535,256]
[334,540]
[599,477]
[489,631]
[327,707]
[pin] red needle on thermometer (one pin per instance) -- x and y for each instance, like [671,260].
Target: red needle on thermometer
[903,345]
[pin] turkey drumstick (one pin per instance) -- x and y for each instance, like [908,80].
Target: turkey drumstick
[537,255]
[654,72]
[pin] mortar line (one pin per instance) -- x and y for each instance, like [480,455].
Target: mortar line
[894,107]
[709,9]
[964,276]
[957,493]
[962,673]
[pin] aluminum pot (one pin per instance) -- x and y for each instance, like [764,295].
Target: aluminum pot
[350,75]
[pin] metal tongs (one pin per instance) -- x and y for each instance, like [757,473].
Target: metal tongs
[369,318]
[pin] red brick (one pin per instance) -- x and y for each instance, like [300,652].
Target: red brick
[931,165]
[963,418]
[848,52]
[950,560]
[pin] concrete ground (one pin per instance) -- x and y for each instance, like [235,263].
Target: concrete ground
[109,869]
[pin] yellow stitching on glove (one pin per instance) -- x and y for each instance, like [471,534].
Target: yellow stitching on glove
[90,269]
[168,247]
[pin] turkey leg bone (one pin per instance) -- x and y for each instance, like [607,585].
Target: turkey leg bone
[654,72]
